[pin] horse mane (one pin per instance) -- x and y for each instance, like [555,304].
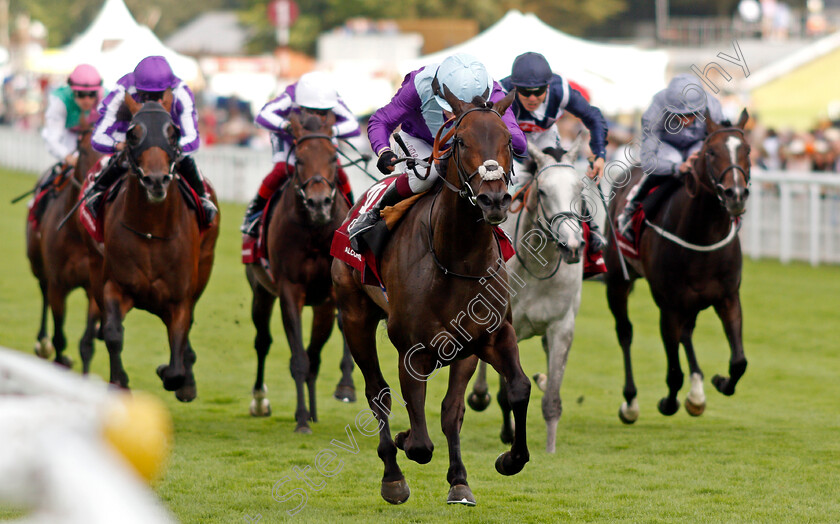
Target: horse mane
[479,101]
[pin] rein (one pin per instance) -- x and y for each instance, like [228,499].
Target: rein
[300,187]
[734,227]
[716,187]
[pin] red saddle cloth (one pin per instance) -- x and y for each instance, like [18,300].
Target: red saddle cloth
[593,263]
[631,249]
[94,226]
[365,262]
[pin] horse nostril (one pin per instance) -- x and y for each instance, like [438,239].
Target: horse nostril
[506,201]
[746,192]
[484,200]
[310,202]
[729,192]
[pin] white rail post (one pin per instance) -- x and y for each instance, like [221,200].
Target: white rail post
[815,224]
[784,223]
[755,221]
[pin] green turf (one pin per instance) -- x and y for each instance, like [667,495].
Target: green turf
[771,453]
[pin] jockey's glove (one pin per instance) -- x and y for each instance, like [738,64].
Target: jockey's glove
[386,161]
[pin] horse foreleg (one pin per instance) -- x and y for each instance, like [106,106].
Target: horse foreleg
[345,391]
[43,345]
[175,375]
[415,441]
[479,399]
[506,435]
[695,400]
[323,319]
[729,312]
[291,304]
[557,342]
[58,304]
[262,305]
[86,342]
[451,419]
[504,357]
[115,307]
[670,326]
[618,290]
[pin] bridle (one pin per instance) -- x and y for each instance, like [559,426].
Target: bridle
[546,222]
[715,182]
[487,170]
[300,187]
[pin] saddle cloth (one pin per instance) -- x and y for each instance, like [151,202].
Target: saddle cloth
[654,200]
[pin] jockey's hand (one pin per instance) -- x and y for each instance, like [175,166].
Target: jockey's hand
[686,166]
[71,159]
[385,164]
[120,146]
[596,168]
[287,127]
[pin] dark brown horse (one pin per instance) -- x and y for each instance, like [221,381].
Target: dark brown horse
[691,257]
[59,259]
[298,238]
[153,257]
[447,302]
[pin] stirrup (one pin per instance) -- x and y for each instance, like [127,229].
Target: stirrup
[209,208]
[251,225]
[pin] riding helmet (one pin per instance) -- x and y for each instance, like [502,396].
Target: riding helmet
[316,90]
[530,70]
[153,73]
[84,77]
[464,76]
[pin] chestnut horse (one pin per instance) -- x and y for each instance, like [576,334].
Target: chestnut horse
[691,257]
[298,237]
[439,269]
[59,259]
[154,256]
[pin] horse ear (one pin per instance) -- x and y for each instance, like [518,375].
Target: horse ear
[711,125]
[502,105]
[458,106]
[329,122]
[132,105]
[745,117]
[572,153]
[539,157]
[297,127]
[167,100]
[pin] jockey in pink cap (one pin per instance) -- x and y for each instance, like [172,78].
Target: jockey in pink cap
[149,81]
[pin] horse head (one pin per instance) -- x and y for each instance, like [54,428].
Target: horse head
[152,145]
[725,160]
[553,198]
[316,165]
[481,154]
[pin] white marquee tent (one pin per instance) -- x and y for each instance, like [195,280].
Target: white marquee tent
[114,43]
[620,78]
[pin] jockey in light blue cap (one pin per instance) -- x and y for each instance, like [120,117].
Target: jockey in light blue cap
[420,110]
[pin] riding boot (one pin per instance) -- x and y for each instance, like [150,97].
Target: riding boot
[188,170]
[253,217]
[344,185]
[634,202]
[110,174]
[597,242]
[369,220]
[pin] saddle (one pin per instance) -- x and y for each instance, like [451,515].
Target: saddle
[651,205]
[46,190]
[375,239]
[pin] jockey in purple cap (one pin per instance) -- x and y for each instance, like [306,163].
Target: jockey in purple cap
[420,110]
[67,107]
[149,82]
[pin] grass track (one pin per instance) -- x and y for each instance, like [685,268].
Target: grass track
[771,453]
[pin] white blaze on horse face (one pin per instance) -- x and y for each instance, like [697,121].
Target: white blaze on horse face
[732,144]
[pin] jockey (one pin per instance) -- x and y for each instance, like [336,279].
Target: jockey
[67,106]
[149,82]
[673,130]
[313,94]
[541,97]
[419,107]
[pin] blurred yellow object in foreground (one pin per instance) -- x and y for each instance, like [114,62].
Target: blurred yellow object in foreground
[138,425]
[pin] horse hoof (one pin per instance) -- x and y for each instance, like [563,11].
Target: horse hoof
[721,384]
[478,402]
[460,494]
[345,393]
[186,393]
[507,466]
[540,380]
[44,348]
[695,410]
[64,360]
[303,430]
[668,408]
[260,408]
[629,413]
[395,492]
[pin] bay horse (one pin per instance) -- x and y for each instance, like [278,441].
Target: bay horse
[299,234]
[437,268]
[59,259]
[549,244]
[691,258]
[154,257]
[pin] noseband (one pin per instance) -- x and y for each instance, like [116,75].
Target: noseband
[716,186]
[489,170]
[151,116]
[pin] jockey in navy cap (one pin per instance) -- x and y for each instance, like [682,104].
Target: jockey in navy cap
[149,81]
[541,98]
